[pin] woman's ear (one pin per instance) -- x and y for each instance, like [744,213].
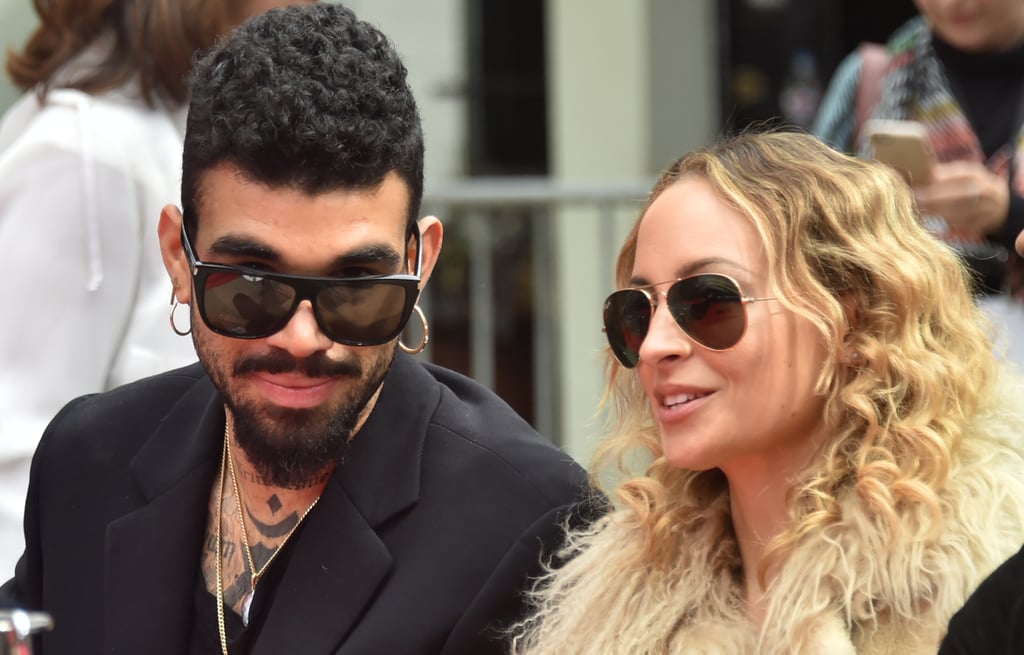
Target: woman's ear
[850,301]
[169,232]
[851,307]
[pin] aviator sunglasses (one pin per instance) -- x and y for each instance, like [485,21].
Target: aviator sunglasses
[250,303]
[709,308]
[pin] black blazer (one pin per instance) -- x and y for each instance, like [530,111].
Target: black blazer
[421,543]
[991,622]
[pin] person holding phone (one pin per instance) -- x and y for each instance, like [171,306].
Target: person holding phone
[958,70]
[834,452]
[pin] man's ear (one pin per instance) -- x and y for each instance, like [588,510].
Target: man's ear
[431,235]
[169,231]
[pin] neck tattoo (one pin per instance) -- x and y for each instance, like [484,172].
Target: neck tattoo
[227,462]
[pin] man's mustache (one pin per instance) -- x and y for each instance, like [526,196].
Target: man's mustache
[279,361]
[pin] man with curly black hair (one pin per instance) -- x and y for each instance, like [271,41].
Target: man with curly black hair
[306,488]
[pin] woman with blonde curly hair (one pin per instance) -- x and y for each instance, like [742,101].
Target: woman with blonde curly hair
[832,449]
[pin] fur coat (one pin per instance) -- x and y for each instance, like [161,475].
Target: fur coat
[859,586]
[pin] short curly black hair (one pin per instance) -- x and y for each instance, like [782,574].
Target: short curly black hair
[307,97]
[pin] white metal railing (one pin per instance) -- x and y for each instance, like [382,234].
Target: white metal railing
[478,210]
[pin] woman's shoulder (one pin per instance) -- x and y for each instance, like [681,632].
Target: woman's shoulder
[70,131]
[65,118]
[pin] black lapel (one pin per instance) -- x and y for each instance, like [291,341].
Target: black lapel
[336,566]
[381,473]
[152,554]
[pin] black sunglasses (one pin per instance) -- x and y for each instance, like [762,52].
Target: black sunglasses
[249,303]
[709,308]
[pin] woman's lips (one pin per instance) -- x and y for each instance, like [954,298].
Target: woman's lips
[679,405]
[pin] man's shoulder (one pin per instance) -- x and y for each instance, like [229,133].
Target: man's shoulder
[128,408]
[992,619]
[471,409]
[493,442]
[477,414]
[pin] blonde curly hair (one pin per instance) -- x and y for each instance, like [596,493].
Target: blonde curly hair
[846,250]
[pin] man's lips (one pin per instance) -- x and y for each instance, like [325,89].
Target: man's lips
[295,391]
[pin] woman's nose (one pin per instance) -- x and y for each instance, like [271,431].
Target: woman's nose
[665,340]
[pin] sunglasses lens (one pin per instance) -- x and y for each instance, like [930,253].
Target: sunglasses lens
[246,306]
[710,309]
[365,314]
[627,315]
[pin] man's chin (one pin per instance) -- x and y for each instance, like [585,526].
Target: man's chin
[291,417]
[289,427]
[285,442]
[289,447]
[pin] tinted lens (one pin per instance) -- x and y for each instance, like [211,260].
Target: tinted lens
[243,305]
[364,313]
[710,309]
[627,315]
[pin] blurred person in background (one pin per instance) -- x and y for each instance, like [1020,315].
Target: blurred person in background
[88,157]
[834,450]
[958,69]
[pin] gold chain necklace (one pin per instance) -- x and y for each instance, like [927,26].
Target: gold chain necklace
[254,575]
[218,565]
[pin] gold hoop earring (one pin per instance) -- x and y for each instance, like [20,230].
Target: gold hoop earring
[174,326]
[423,340]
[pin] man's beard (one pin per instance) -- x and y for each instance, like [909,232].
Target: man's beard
[289,448]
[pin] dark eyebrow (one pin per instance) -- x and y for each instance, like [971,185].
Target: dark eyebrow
[692,268]
[240,247]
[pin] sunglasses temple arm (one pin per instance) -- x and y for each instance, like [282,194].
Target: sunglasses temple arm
[419,251]
[190,254]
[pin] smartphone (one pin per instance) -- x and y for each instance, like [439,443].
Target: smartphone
[904,145]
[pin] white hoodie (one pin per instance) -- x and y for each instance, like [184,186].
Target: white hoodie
[85,294]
